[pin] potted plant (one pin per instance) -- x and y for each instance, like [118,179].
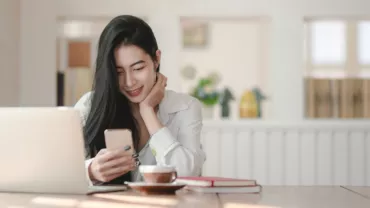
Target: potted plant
[205,91]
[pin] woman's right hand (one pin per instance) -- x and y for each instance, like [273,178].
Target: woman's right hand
[110,164]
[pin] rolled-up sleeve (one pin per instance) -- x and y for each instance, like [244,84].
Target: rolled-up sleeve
[185,151]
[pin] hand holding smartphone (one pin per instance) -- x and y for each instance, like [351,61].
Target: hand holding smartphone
[120,160]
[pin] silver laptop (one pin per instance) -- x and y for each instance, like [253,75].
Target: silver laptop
[42,151]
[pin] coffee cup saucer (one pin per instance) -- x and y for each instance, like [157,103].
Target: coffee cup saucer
[156,188]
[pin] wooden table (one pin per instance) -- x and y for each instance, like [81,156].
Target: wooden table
[361,190]
[282,197]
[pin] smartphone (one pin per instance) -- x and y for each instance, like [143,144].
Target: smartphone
[119,138]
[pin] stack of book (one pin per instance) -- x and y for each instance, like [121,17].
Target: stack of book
[220,185]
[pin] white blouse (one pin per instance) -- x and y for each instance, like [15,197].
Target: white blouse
[177,144]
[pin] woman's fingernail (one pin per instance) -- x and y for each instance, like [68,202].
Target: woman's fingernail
[126,148]
[135,155]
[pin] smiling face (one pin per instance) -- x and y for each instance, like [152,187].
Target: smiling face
[136,71]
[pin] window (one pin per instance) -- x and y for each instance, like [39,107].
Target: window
[337,69]
[328,42]
[363,43]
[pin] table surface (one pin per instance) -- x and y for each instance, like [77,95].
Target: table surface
[282,197]
[363,191]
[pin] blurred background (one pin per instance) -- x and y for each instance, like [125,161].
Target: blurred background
[285,84]
[279,59]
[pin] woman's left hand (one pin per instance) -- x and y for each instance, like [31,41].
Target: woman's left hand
[156,95]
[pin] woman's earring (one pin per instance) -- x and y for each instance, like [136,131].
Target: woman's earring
[137,163]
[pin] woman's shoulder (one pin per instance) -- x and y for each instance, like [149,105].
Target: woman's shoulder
[83,106]
[177,101]
[84,100]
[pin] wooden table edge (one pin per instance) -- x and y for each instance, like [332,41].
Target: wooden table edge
[348,188]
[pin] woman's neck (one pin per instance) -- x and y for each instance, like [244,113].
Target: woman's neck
[135,108]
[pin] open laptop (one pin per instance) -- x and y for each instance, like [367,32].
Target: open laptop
[42,151]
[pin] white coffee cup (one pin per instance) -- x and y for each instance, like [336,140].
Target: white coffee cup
[158,173]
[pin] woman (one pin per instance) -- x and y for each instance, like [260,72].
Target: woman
[129,92]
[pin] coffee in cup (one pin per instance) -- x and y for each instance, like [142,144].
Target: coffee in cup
[158,173]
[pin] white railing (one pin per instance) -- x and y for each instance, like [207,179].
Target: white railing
[305,153]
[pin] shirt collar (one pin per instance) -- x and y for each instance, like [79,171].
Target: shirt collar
[171,103]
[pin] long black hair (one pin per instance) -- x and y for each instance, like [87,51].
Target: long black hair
[110,109]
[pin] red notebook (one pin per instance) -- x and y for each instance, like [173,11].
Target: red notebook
[235,189]
[215,181]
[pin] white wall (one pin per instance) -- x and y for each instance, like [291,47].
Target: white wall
[310,153]
[285,67]
[38,53]
[9,52]
[234,50]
